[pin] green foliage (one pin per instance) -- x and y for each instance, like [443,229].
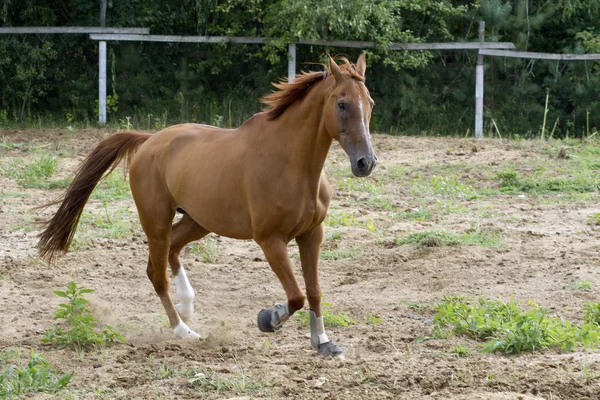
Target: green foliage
[39,376]
[592,313]
[504,327]
[205,249]
[35,174]
[208,380]
[114,187]
[79,327]
[459,350]
[330,318]
[331,255]
[579,182]
[436,238]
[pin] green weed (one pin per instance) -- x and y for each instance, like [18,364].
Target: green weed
[205,249]
[595,219]
[507,329]
[108,225]
[333,236]
[581,285]
[208,380]
[444,185]
[459,350]
[341,219]
[415,215]
[592,313]
[39,376]
[437,238]
[373,320]
[331,255]
[35,174]
[511,182]
[79,327]
[330,318]
[114,187]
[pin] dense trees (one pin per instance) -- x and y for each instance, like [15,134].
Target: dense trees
[54,77]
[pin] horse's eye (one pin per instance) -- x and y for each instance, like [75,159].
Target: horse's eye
[341,105]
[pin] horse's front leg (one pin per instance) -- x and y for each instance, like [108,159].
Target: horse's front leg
[270,320]
[310,246]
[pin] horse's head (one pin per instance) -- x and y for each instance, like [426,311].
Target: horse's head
[348,113]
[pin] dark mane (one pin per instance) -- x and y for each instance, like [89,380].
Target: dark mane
[288,93]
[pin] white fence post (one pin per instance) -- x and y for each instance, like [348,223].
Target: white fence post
[291,62]
[479,86]
[102,82]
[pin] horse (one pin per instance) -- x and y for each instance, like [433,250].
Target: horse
[262,181]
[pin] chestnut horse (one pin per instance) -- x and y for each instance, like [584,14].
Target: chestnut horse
[262,181]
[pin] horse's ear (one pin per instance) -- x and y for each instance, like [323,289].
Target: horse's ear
[335,70]
[361,64]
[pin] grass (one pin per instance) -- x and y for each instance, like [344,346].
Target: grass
[104,225]
[114,187]
[592,313]
[437,238]
[459,350]
[510,181]
[594,219]
[504,327]
[207,380]
[580,285]
[206,250]
[415,214]
[443,185]
[38,376]
[79,328]
[332,255]
[330,318]
[35,174]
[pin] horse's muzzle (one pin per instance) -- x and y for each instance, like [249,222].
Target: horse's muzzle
[364,166]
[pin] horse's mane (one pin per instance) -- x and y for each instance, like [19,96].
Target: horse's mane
[288,93]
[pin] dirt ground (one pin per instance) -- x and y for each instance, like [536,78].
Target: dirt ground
[547,246]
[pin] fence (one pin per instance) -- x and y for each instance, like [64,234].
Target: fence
[118,36]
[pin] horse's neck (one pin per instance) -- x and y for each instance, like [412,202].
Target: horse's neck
[302,129]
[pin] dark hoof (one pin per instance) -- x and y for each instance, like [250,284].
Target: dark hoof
[264,320]
[331,349]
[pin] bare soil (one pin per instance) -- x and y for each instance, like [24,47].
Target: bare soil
[548,244]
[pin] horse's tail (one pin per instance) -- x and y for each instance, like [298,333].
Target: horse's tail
[60,230]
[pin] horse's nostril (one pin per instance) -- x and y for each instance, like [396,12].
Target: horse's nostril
[362,163]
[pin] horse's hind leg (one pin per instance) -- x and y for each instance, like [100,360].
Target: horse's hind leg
[185,231]
[156,213]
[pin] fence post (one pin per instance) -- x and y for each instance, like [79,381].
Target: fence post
[479,86]
[102,69]
[102,82]
[291,62]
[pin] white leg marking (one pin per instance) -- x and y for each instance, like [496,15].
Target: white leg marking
[182,331]
[185,294]
[321,331]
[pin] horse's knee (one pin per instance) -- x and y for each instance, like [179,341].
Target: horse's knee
[160,283]
[296,303]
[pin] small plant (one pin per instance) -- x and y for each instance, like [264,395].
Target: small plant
[437,238]
[330,318]
[205,249]
[373,320]
[506,328]
[35,174]
[592,313]
[595,219]
[459,350]
[332,255]
[581,285]
[209,381]
[39,376]
[79,328]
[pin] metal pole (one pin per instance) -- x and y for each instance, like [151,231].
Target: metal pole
[102,82]
[102,69]
[291,62]
[479,86]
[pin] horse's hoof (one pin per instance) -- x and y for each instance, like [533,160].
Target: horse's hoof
[273,319]
[331,349]
[182,331]
[264,320]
